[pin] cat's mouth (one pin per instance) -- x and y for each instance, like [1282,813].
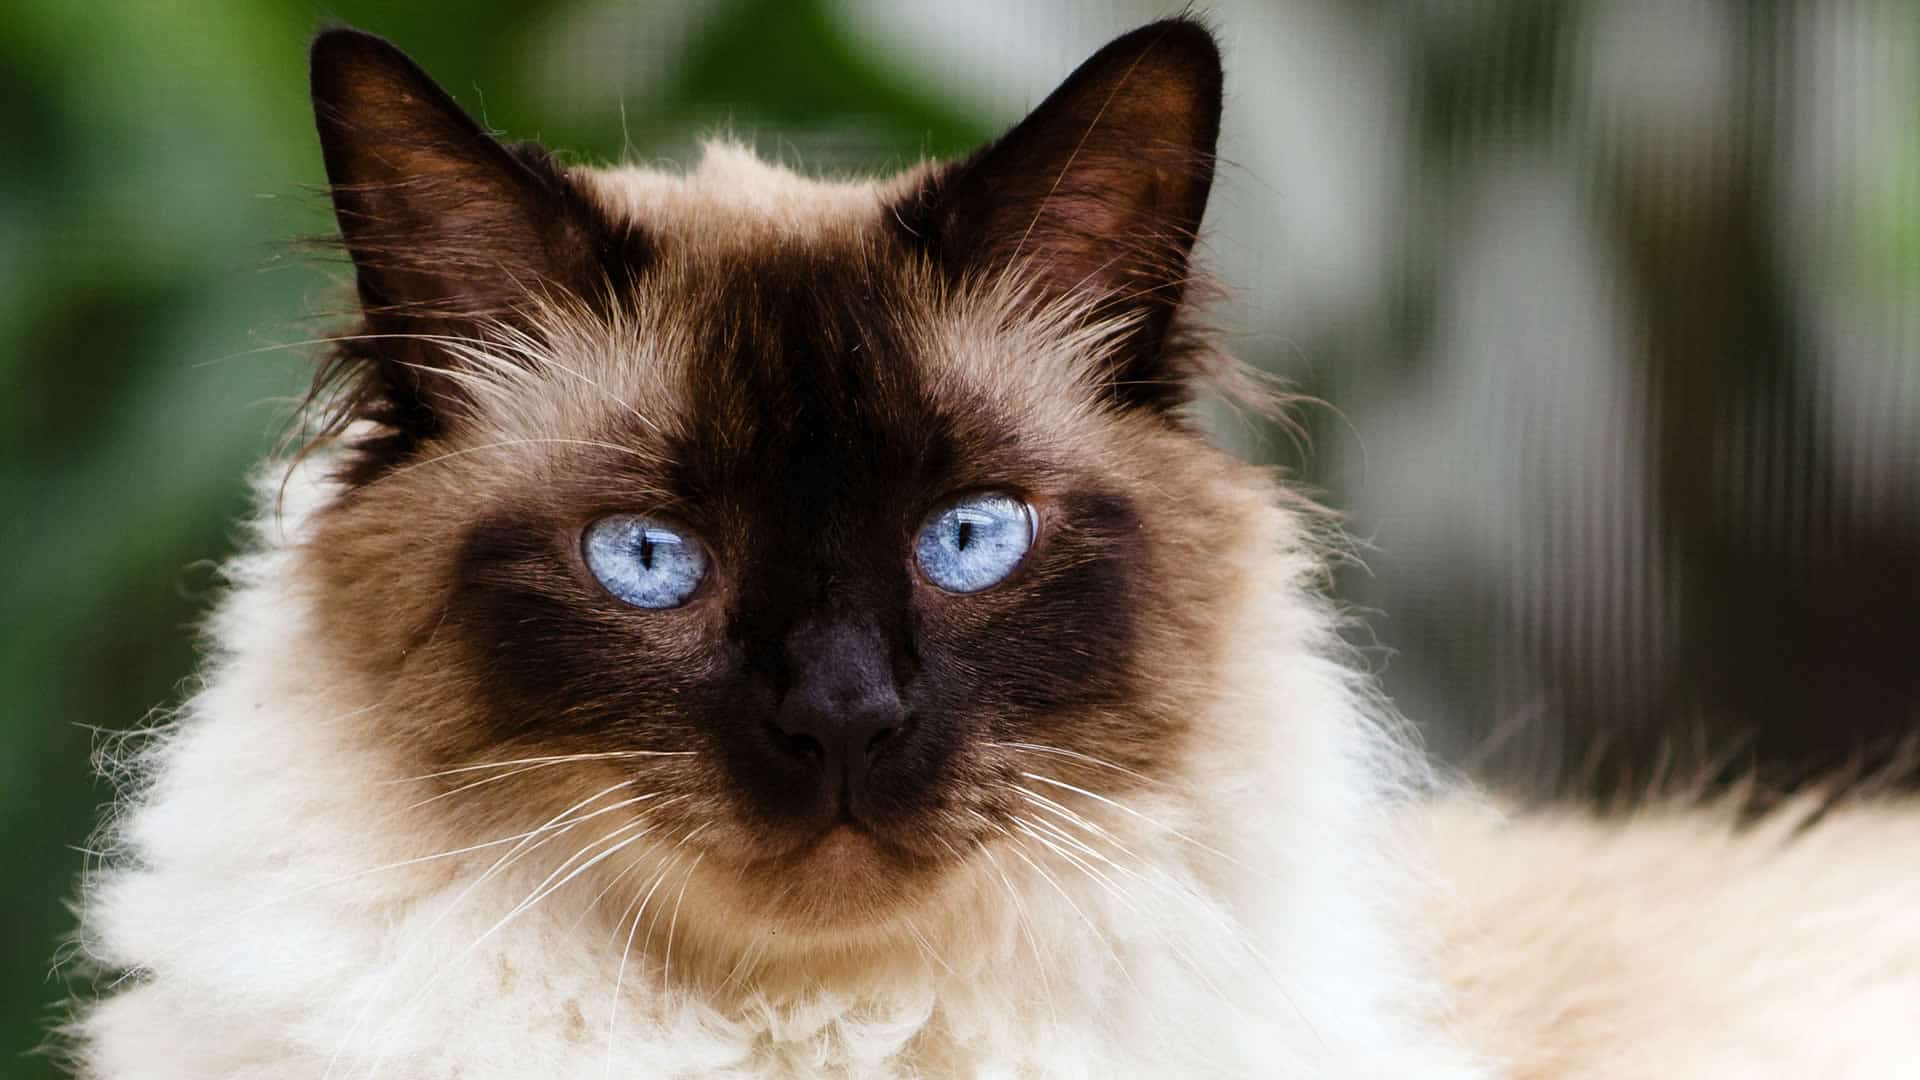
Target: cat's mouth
[841,877]
[845,839]
[841,867]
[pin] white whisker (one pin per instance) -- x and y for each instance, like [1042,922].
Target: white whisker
[1119,965]
[1125,809]
[1095,875]
[546,888]
[666,966]
[1160,881]
[926,946]
[1065,813]
[638,907]
[547,759]
[513,855]
[1075,755]
[542,761]
[187,943]
[1023,922]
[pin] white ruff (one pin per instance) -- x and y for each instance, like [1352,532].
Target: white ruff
[250,892]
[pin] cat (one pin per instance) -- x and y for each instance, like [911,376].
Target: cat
[746,625]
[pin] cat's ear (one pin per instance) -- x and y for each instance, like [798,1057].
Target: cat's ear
[1098,192]
[448,228]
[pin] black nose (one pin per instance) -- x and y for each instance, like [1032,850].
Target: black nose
[841,704]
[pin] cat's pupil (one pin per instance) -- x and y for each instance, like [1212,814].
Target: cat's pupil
[964,535]
[646,551]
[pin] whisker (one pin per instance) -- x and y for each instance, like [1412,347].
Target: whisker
[639,909]
[548,886]
[1125,809]
[647,945]
[926,946]
[594,904]
[1016,849]
[1088,759]
[187,943]
[1086,868]
[513,855]
[1022,921]
[666,967]
[470,785]
[546,759]
[1166,885]
[638,906]
[540,892]
[1063,836]
[1119,965]
[1153,925]
[1065,813]
[749,956]
[1121,895]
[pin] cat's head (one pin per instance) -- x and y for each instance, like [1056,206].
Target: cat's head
[816,533]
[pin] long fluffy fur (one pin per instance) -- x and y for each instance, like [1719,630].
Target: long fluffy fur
[278,902]
[273,893]
[1684,941]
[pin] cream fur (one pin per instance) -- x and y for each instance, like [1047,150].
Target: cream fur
[269,945]
[1677,944]
[287,909]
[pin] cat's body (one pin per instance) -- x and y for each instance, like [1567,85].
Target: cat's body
[1682,942]
[444,807]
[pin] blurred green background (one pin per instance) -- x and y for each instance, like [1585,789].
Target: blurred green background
[1618,302]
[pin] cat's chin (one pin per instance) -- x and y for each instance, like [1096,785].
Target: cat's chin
[848,859]
[850,855]
[846,878]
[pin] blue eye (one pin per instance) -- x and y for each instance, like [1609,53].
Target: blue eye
[975,542]
[644,562]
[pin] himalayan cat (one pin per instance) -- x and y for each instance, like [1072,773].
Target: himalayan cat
[736,624]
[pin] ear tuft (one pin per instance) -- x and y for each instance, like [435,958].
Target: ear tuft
[1098,193]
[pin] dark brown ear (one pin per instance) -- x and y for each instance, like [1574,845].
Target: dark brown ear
[448,228]
[1098,191]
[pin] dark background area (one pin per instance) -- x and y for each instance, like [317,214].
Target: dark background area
[1616,305]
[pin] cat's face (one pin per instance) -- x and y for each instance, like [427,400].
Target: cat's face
[828,530]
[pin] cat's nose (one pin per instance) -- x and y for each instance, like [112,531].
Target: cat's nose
[841,705]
